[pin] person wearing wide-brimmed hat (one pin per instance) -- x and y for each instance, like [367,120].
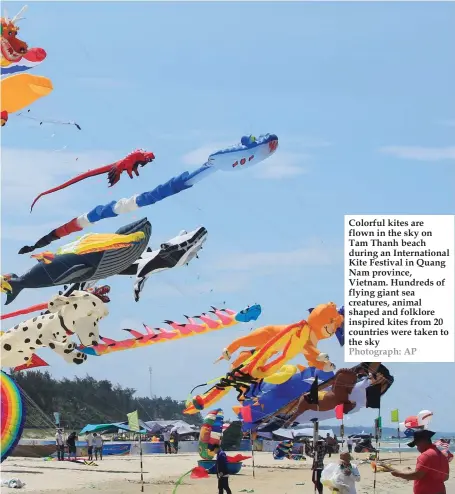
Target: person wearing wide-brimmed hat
[432,468]
[342,476]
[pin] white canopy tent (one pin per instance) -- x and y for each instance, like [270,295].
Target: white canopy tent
[296,432]
[182,427]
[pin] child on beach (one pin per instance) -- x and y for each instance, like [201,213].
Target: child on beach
[221,469]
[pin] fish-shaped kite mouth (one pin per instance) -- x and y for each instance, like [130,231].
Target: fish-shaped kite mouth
[273,145]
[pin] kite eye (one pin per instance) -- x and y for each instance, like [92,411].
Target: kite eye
[10,33]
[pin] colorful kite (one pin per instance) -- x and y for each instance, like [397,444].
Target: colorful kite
[284,449]
[13,413]
[12,48]
[177,251]
[286,342]
[444,446]
[210,434]
[77,314]
[267,398]
[414,422]
[318,330]
[31,59]
[370,377]
[225,319]
[21,90]
[251,151]
[101,292]
[129,164]
[92,257]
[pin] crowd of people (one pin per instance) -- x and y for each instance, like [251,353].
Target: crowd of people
[429,476]
[94,444]
[171,441]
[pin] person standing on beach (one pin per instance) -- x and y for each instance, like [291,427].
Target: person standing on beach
[98,443]
[89,439]
[71,442]
[167,441]
[60,443]
[350,472]
[221,469]
[329,444]
[432,469]
[349,442]
[175,437]
[318,463]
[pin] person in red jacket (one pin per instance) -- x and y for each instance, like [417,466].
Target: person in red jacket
[432,468]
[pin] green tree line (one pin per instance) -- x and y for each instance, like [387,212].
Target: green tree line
[81,401]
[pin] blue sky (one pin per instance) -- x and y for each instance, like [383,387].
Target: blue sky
[361,97]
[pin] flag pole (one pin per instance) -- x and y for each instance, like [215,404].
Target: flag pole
[133,425]
[342,432]
[394,416]
[315,449]
[142,468]
[252,434]
[377,432]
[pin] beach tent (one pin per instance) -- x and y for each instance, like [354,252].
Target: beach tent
[295,433]
[157,426]
[111,428]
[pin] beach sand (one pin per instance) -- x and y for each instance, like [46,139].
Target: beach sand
[121,475]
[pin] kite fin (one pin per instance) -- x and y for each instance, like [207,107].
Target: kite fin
[73,272]
[35,361]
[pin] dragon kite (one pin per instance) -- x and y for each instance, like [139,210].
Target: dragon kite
[225,318]
[130,164]
[19,90]
[249,152]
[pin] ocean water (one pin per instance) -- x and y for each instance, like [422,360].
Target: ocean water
[395,445]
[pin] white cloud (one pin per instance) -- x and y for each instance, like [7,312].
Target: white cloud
[27,172]
[282,165]
[266,262]
[421,153]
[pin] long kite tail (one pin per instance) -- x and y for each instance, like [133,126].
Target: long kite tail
[75,180]
[114,208]
[33,308]
[234,158]
[225,318]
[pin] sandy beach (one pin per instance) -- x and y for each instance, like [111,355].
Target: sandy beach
[121,475]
